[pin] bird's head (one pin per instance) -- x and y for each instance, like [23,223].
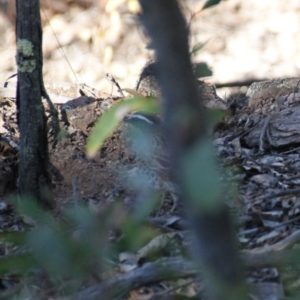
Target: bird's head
[141,120]
[144,133]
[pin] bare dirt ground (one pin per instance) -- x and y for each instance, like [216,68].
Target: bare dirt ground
[244,40]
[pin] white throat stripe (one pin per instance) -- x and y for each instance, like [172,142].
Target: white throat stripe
[142,118]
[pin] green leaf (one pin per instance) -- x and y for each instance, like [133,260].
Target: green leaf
[214,117]
[150,46]
[202,70]
[30,208]
[109,121]
[17,263]
[51,251]
[134,239]
[198,47]
[210,3]
[201,177]
[18,238]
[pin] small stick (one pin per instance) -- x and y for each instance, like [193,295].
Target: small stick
[110,78]
[11,143]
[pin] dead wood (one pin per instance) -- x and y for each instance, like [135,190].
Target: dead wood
[264,95]
[174,268]
[163,269]
[283,129]
[285,243]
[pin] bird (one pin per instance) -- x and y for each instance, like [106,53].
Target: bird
[151,165]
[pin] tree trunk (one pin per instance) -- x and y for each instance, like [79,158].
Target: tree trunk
[214,242]
[34,180]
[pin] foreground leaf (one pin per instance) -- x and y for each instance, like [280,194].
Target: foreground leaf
[200,177]
[198,47]
[19,264]
[202,70]
[210,3]
[13,237]
[109,121]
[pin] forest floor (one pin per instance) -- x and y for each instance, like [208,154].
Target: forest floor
[245,41]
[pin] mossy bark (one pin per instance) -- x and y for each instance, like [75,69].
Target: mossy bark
[34,180]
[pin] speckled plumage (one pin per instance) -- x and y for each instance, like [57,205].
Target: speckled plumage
[150,164]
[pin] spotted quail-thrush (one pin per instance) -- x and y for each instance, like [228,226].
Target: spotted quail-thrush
[146,142]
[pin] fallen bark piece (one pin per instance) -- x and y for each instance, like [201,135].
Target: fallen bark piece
[147,85]
[81,112]
[267,96]
[178,267]
[282,130]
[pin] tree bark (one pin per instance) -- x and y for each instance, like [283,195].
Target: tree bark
[34,180]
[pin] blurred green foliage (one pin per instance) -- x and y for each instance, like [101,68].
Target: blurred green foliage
[109,121]
[79,243]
